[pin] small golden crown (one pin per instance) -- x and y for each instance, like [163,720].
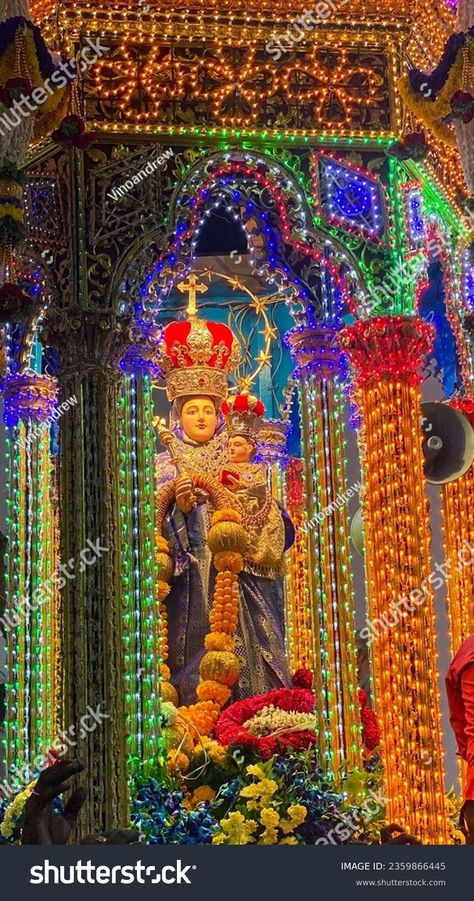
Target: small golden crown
[243,414]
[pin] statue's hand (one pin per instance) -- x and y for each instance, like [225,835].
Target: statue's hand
[41,825]
[185,496]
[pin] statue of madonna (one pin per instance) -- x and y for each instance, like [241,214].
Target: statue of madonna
[196,358]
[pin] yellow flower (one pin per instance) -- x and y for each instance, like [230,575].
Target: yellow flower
[238,830]
[268,837]
[296,816]
[255,770]
[266,787]
[297,813]
[291,840]
[269,817]
[14,810]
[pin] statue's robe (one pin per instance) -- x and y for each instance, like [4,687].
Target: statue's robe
[260,639]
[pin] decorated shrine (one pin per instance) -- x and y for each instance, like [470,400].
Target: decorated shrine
[237,338]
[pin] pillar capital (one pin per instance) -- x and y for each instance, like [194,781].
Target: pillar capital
[29,396]
[388,348]
[87,340]
[315,349]
[142,356]
[272,440]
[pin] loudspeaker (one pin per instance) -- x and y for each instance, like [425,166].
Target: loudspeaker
[448,443]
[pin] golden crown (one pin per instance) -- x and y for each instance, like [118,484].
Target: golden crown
[243,414]
[196,357]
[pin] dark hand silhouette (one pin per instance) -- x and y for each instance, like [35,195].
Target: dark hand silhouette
[41,824]
[388,836]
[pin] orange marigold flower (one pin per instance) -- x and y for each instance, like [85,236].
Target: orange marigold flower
[227,514]
[213,691]
[177,762]
[163,591]
[219,641]
[229,560]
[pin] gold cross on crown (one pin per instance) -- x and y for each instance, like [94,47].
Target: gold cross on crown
[193,288]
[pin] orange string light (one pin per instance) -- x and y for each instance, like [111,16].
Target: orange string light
[398,563]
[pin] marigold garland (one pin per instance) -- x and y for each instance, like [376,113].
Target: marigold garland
[219,668]
[39,67]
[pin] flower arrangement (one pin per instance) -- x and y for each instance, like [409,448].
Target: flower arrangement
[285,800]
[11,814]
[264,817]
[439,97]
[248,724]
[25,64]
[15,305]
[412,147]
[12,220]
[72,133]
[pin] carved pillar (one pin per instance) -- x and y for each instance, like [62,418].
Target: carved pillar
[89,345]
[388,355]
[327,541]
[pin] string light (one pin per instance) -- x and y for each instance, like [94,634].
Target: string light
[387,355]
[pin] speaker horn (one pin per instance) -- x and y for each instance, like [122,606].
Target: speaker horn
[357,532]
[448,443]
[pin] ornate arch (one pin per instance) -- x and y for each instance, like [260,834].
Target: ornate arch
[266,189]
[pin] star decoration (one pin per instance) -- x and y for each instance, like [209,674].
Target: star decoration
[270,333]
[259,305]
[264,358]
[244,383]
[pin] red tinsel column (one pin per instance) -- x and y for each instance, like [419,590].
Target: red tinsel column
[387,355]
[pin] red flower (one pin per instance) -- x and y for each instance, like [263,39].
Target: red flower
[370,726]
[14,89]
[231,727]
[412,147]
[72,133]
[462,106]
[303,678]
